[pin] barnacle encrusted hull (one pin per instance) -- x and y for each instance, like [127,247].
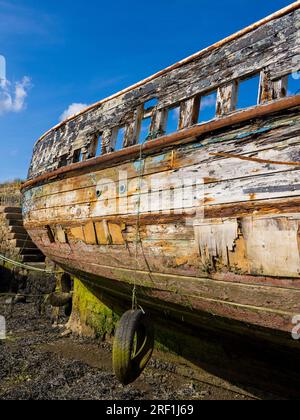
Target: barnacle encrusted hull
[205,220]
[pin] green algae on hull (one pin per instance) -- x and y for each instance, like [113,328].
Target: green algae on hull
[90,316]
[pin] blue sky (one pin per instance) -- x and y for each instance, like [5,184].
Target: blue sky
[65,52]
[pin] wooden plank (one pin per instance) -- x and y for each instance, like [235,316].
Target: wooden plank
[189,112]
[228,299]
[116,234]
[197,286]
[106,141]
[280,88]
[265,88]
[258,207]
[248,246]
[78,233]
[161,198]
[60,234]
[90,234]
[39,235]
[227,98]
[103,234]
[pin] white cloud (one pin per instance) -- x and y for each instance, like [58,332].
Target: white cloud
[208,101]
[13,95]
[19,20]
[72,110]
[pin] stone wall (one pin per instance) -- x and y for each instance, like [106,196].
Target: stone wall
[15,242]
[16,245]
[7,244]
[10,194]
[10,201]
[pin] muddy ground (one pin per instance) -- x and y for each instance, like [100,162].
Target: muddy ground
[39,362]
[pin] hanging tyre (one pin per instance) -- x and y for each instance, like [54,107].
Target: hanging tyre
[59,299]
[133,346]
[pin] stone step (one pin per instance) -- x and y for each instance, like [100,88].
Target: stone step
[21,236]
[13,216]
[32,258]
[40,265]
[18,229]
[28,251]
[23,243]
[12,210]
[18,223]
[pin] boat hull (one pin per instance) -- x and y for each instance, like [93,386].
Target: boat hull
[221,252]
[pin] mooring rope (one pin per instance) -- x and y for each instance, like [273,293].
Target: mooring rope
[23,295]
[26,267]
[138,239]
[138,235]
[25,242]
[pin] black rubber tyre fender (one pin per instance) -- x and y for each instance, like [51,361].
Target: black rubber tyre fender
[133,346]
[66,283]
[58,299]
[68,308]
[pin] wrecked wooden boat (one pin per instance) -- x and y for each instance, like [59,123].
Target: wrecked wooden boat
[184,189]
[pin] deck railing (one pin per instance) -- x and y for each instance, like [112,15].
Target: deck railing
[257,66]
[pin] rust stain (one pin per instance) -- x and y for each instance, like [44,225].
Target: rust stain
[238,257]
[208,200]
[181,261]
[173,158]
[210,180]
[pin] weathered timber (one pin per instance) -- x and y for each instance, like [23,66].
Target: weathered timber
[262,49]
[281,132]
[204,221]
[188,135]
